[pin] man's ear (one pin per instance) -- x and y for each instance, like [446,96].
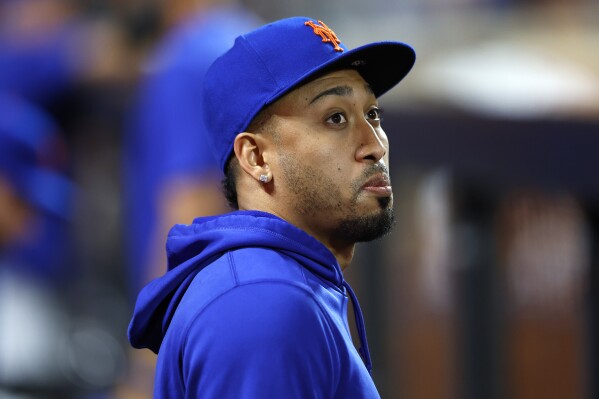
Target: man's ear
[249,151]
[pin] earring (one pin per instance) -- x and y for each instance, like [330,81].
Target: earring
[264,178]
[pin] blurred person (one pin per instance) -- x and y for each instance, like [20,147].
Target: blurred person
[36,58]
[170,175]
[254,303]
[45,350]
[68,62]
[49,46]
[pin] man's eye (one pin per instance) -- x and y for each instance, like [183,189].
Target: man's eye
[337,119]
[375,114]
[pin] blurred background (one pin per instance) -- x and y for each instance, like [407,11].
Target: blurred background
[488,286]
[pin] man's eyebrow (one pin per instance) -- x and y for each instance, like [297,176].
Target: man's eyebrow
[339,91]
[334,91]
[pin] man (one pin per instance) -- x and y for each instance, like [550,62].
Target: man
[254,303]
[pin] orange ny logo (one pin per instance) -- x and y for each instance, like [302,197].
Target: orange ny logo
[328,36]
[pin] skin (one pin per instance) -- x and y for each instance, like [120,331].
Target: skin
[15,214]
[326,155]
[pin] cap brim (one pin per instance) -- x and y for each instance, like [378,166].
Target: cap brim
[382,65]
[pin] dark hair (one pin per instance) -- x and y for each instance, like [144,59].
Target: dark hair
[228,183]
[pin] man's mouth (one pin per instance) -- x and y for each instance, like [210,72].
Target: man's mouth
[379,185]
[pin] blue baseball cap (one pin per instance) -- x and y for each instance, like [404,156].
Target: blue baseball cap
[33,157]
[272,60]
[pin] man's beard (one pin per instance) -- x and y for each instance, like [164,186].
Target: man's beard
[367,228]
[317,193]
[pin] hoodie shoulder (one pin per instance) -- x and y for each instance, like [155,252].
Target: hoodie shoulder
[266,246]
[263,324]
[234,269]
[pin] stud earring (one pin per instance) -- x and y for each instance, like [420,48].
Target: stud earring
[264,178]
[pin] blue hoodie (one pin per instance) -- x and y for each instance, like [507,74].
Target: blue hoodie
[251,307]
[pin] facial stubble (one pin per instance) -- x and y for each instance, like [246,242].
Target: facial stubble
[318,194]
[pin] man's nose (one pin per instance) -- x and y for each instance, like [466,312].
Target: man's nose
[372,143]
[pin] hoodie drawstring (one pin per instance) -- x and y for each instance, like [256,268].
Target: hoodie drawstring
[364,351]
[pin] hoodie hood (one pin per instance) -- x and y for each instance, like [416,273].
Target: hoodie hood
[190,248]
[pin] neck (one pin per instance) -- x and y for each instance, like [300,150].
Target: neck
[342,250]
[343,253]
[259,200]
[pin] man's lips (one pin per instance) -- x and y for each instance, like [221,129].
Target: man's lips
[378,185]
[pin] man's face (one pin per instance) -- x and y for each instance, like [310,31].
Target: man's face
[332,156]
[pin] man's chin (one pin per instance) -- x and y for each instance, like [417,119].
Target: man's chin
[367,227]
